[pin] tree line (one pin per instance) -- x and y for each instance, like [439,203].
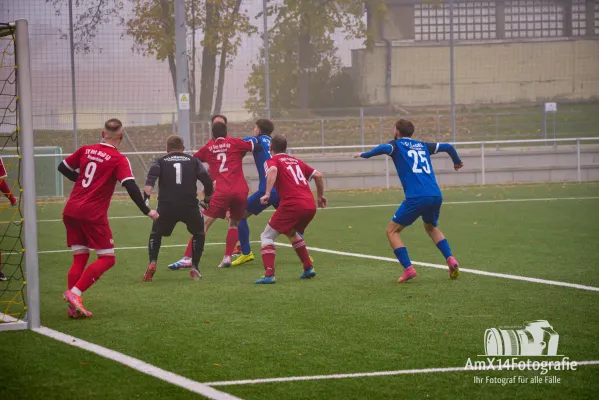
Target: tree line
[304,67]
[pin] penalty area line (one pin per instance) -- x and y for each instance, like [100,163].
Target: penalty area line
[138,365]
[444,267]
[368,374]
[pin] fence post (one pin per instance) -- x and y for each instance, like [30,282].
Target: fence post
[194,139]
[174,126]
[381,129]
[578,172]
[322,134]
[545,125]
[438,121]
[497,129]
[387,172]
[362,126]
[554,142]
[482,162]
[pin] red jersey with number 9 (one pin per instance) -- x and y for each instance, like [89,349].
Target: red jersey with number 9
[292,182]
[100,167]
[224,157]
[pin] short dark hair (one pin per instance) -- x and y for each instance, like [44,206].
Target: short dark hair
[278,144]
[215,116]
[405,127]
[113,125]
[266,126]
[174,142]
[219,130]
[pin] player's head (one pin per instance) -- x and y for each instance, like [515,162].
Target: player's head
[218,118]
[264,127]
[113,131]
[404,128]
[174,144]
[278,144]
[219,130]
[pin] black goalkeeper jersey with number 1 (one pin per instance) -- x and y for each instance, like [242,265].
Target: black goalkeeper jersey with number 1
[177,175]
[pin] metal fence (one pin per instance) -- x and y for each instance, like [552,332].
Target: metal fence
[327,72]
[147,132]
[565,159]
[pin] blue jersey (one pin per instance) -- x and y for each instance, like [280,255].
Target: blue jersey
[413,164]
[260,157]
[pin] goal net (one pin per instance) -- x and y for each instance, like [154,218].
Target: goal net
[18,231]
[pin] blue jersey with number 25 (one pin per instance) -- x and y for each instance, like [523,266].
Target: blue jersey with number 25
[414,167]
[412,161]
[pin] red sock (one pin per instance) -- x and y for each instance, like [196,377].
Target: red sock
[268,258]
[189,249]
[302,253]
[5,189]
[232,236]
[94,272]
[79,263]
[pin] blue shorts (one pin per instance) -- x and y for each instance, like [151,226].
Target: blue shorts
[428,208]
[254,206]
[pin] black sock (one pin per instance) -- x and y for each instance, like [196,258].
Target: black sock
[154,246]
[197,248]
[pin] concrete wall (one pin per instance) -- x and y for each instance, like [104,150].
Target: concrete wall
[502,166]
[485,73]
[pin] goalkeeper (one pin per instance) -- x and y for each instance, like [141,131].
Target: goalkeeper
[177,174]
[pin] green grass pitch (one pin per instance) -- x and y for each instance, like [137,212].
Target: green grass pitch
[352,318]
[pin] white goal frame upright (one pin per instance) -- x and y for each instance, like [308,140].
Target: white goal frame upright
[27,172]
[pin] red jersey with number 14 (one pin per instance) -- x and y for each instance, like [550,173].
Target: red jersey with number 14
[292,182]
[100,167]
[224,157]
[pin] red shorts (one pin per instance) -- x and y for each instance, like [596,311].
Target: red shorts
[3,173]
[223,202]
[83,233]
[285,221]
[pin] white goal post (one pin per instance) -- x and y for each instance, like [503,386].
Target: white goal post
[18,34]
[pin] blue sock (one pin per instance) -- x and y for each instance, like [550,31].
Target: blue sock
[402,255]
[244,236]
[444,248]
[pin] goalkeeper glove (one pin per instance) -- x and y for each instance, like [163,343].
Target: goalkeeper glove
[205,204]
[147,199]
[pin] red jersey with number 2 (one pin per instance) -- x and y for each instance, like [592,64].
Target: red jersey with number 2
[224,157]
[292,182]
[100,167]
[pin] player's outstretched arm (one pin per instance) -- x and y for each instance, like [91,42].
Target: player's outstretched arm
[434,148]
[319,181]
[67,172]
[135,195]
[381,149]
[257,146]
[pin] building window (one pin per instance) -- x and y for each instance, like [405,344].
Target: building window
[533,19]
[471,21]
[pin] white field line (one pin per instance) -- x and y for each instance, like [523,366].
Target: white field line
[135,247]
[444,267]
[394,205]
[138,365]
[368,374]
[379,258]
